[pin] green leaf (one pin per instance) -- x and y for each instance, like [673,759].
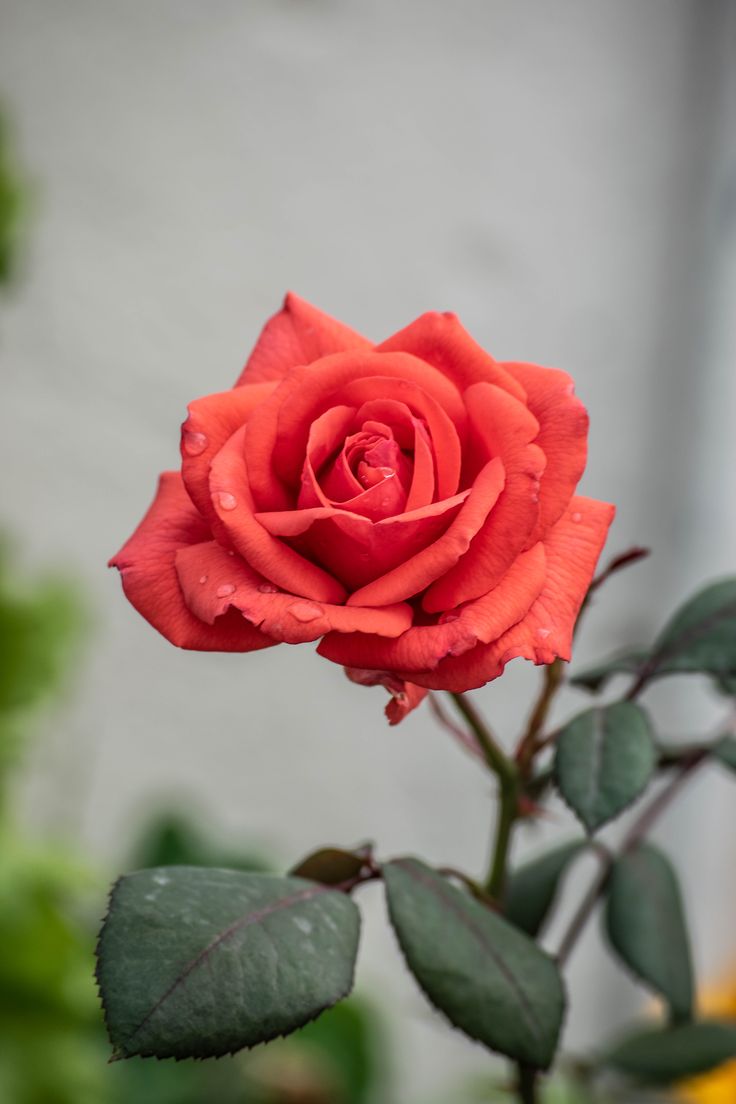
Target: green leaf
[726,684]
[661,1056]
[645,922]
[604,759]
[628,662]
[701,637]
[489,979]
[330,866]
[532,888]
[725,752]
[197,962]
[702,634]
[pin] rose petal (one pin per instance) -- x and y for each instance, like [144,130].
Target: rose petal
[563,433]
[274,560]
[572,547]
[297,334]
[212,420]
[357,550]
[148,573]
[276,448]
[326,436]
[441,340]
[505,427]
[405,696]
[442,431]
[214,581]
[422,647]
[384,496]
[412,576]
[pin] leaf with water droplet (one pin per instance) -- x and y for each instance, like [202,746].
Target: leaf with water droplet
[196,962]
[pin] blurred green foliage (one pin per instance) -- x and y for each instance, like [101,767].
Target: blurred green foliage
[53,1047]
[40,629]
[12,204]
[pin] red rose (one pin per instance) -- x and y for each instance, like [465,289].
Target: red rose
[410,504]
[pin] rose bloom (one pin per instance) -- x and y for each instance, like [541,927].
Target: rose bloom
[411,505]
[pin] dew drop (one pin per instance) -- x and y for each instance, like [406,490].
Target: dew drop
[268,588]
[305,611]
[203,578]
[544,633]
[194,443]
[447,617]
[225,589]
[577,517]
[226,501]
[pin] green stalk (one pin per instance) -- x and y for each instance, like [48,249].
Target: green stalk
[507,773]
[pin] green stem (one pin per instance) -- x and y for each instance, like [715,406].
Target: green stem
[507,773]
[638,830]
[529,745]
[527,1084]
[493,753]
[508,809]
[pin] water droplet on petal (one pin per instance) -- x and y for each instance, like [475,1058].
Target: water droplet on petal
[194,443]
[203,578]
[305,611]
[544,633]
[447,617]
[577,517]
[226,589]
[268,588]
[225,500]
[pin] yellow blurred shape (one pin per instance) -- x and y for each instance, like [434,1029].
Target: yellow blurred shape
[718,1087]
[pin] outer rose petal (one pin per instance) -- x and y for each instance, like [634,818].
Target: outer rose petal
[212,421]
[214,581]
[442,341]
[422,647]
[405,696]
[146,565]
[572,547]
[298,334]
[563,437]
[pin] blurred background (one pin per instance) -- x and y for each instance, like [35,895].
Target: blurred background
[563,176]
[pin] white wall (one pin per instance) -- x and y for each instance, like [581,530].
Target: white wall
[561,175]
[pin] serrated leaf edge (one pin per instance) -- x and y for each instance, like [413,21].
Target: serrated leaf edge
[119,1053]
[445,1015]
